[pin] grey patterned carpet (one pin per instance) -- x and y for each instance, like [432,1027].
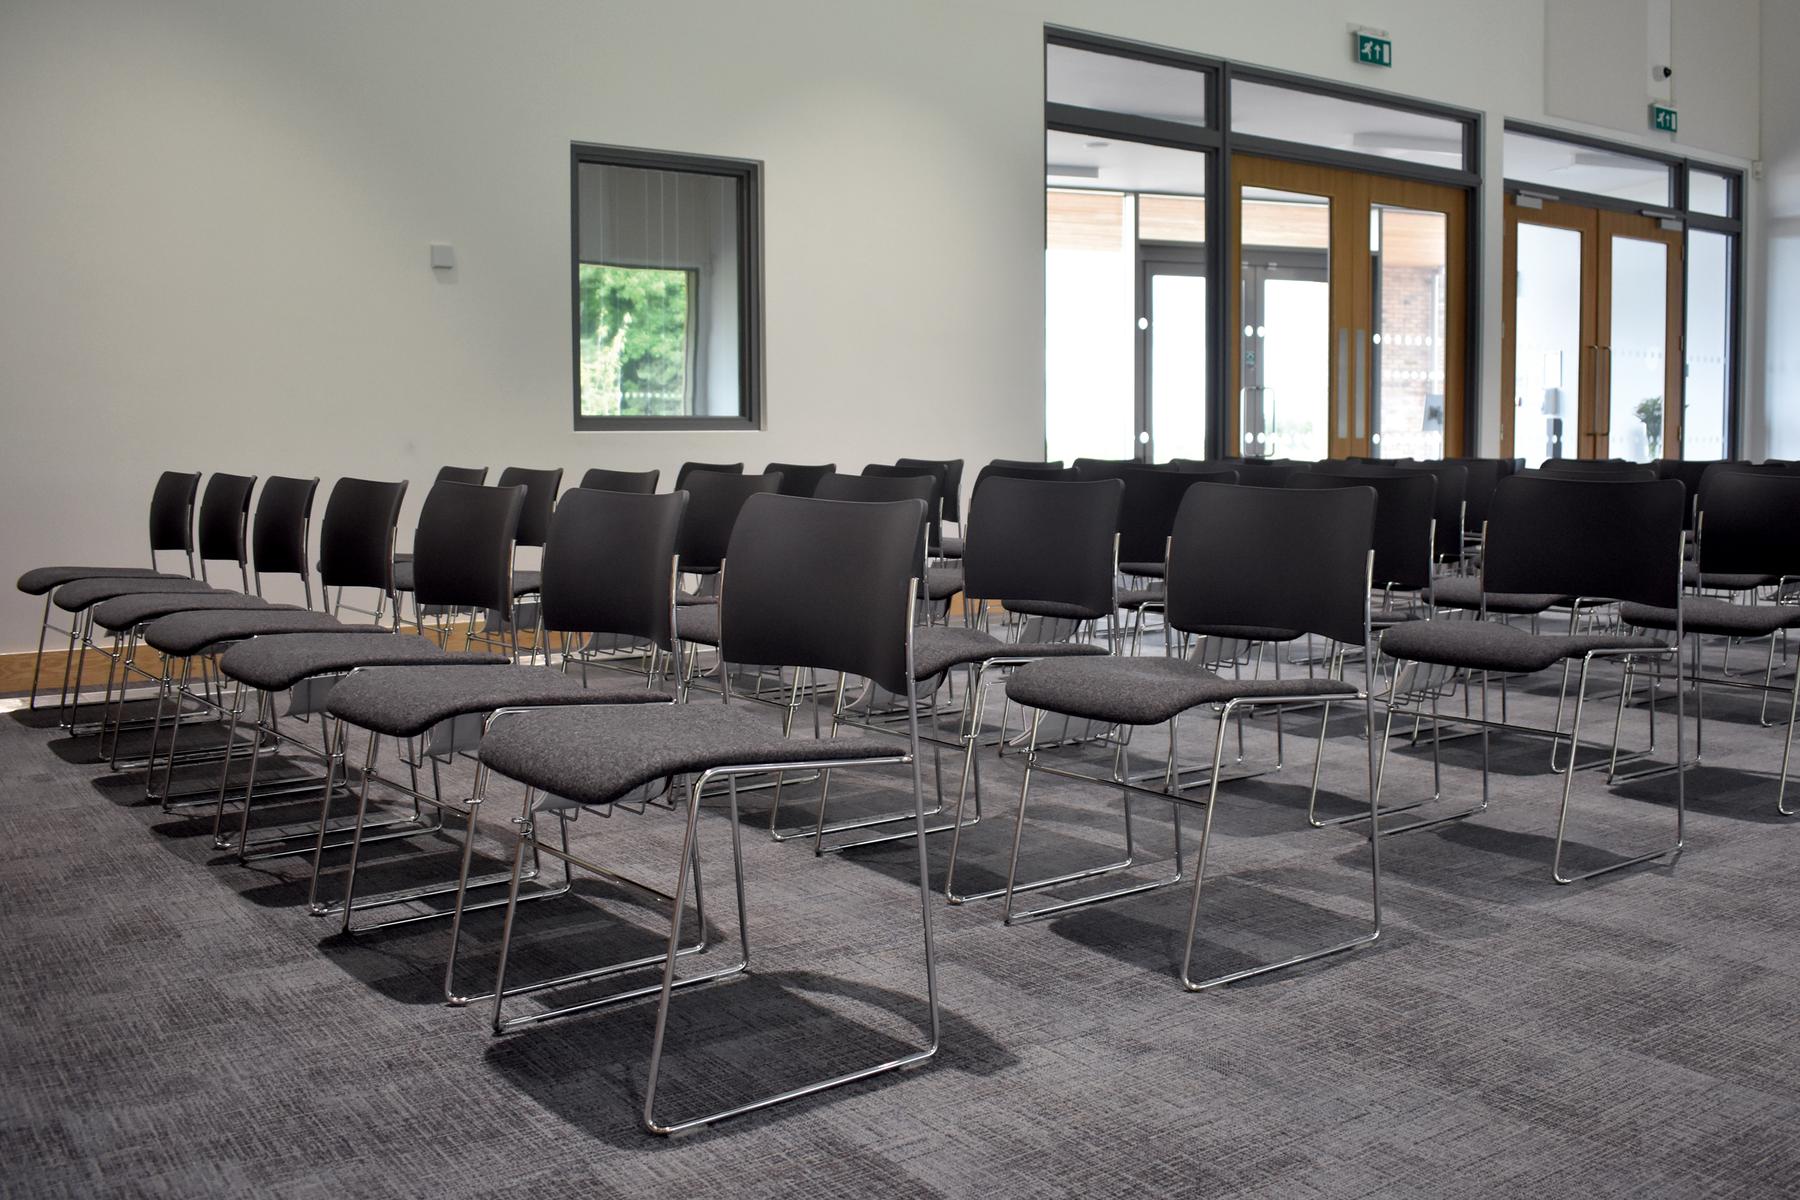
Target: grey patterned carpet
[176,1025]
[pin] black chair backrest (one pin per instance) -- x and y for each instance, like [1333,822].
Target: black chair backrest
[356,539]
[1010,471]
[541,488]
[1697,496]
[641,483]
[283,517]
[1749,525]
[1104,468]
[952,477]
[1043,541]
[474,475]
[883,489]
[797,479]
[1593,468]
[689,468]
[1452,491]
[823,584]
[225,518]
[172,511]
[463,548]
[1251,472]
[1147,510]
[939,474]
[1289,558]
[1610,539]
[1484,474]
[1029,463]
[1690,472]
[714,501]
[1405,508]
[609,565]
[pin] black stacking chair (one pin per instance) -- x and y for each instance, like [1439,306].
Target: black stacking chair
[1152,497]
[471,475]
[283,530]
[1713,579]
[171,528]
[1221,573]
[812,584]
[798,480]
[1593,468]
[609,568]
[1600,540]
[637,482]
[463,556]
[1452,497]
[1405,527]
[611,558]
[356,542]
[541,489]
[225,524]
[714,501]
[951,507]
[688,469]
[1251,472]
[198,636]
[1750,533]
[1689,472]
[1087,469]
[1483,476]
[1017,471]
[223,517]
[939,473]
[1029,464]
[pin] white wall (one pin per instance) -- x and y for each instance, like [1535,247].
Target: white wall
[217,212]
[1775,246]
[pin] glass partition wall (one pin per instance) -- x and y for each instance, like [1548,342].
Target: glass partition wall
[1612,254]
[1319,309]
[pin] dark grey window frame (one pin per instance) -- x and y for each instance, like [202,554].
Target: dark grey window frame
[748,175]
[1216,138]
[1681,167]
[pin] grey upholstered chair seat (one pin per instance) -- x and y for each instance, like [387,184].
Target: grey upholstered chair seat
[1710,615]
[950,547]
[1492,646]
[1144,570]
[39,580]
[937,648]
[126,612]
[1144,691]
[685,599]
[527,582]
[76,596]
[1132,599]
[1694,577]
[698,623]
[405,701]
[595,754]
[278,661]
[187,633]
[1464,591]
[941,583]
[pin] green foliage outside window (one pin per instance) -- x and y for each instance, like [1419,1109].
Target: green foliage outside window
[634,341]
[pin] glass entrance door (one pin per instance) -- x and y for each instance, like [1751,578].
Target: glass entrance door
[1349,313]
[1592,313]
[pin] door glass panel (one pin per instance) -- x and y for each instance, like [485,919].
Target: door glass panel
[1272,111]
[1115,83]
[1635,367]
[1709,193]
[1410,275]
[1089,303]
[1570,166]
[1547,363]
[1708,344]
[1286,400]
[1178,365]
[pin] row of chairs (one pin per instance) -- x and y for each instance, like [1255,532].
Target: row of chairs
[837,583]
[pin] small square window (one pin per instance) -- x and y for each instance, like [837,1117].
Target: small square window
[667,291]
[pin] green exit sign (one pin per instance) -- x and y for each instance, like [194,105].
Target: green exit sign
[1662,118]
[1374,49]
